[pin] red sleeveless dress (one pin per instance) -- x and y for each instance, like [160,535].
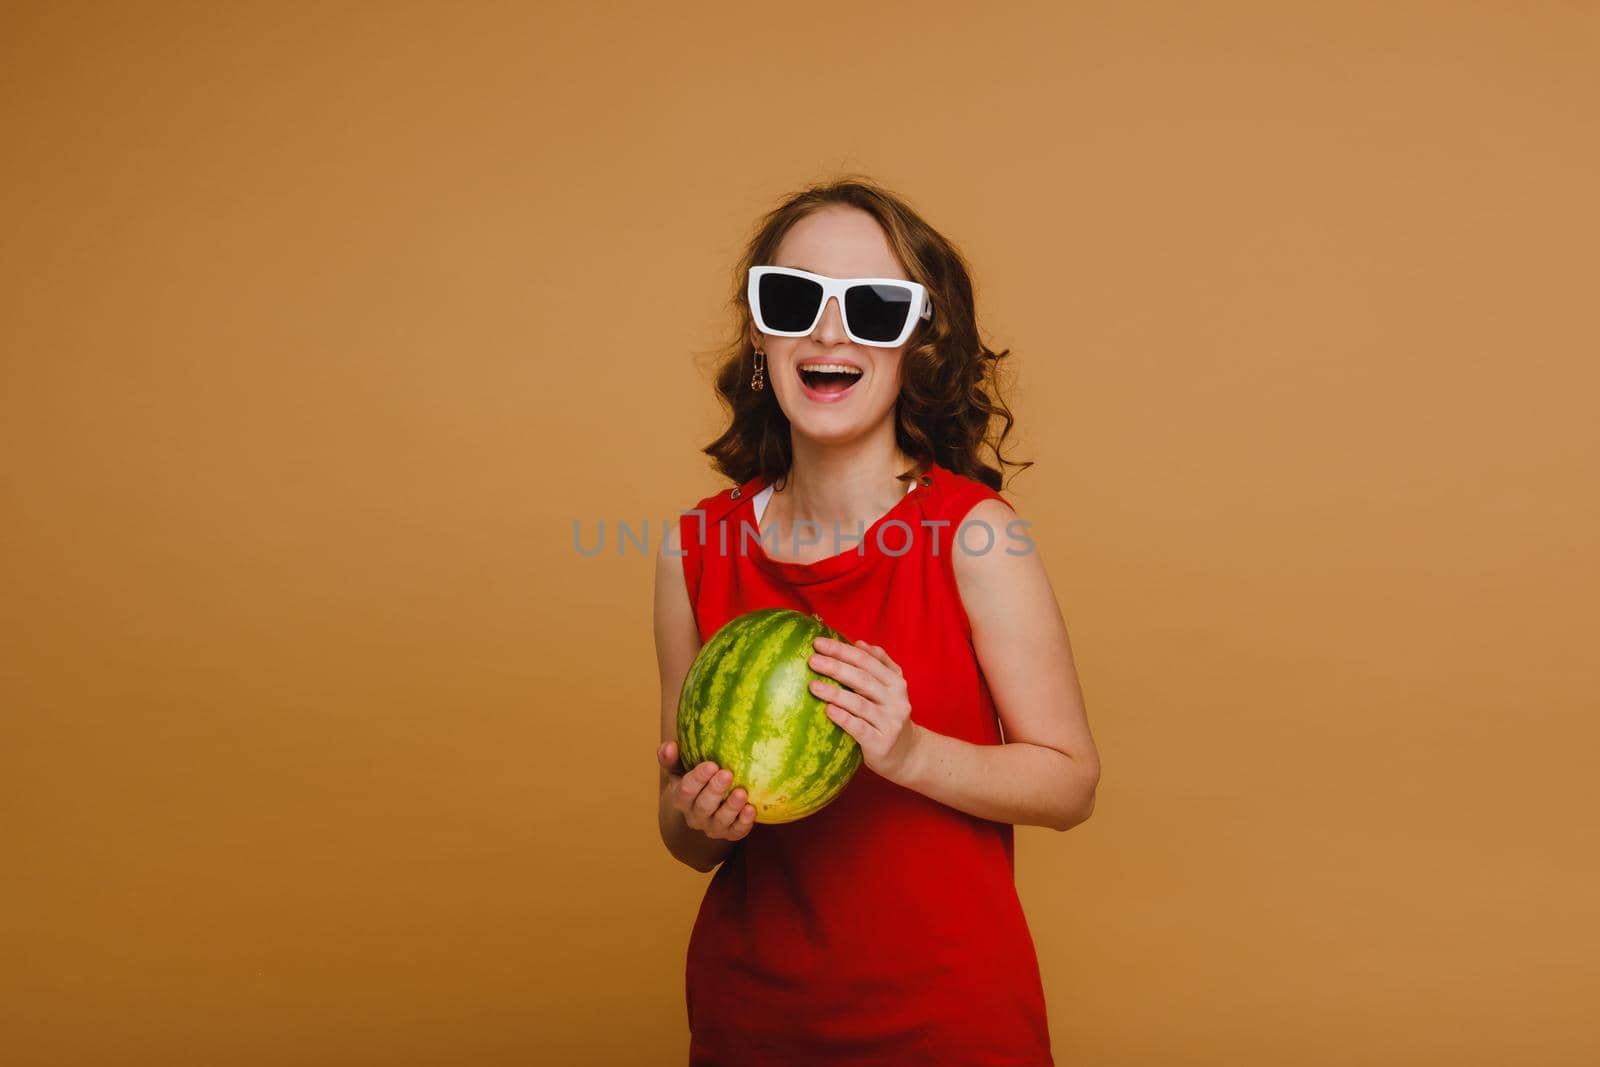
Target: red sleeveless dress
[884,929]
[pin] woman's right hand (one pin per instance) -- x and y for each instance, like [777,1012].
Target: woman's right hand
[698,797]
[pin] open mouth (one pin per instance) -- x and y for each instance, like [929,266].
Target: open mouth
[829,379]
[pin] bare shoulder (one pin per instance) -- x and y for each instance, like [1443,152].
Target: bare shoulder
[669,557]
[993,552]
[672,606]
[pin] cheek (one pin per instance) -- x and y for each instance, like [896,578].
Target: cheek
[889,373]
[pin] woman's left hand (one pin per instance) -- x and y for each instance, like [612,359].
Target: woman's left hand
[877,714]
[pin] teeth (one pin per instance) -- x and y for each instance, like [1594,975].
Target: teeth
[836,368]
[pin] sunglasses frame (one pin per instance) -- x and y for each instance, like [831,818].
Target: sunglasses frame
[834,289]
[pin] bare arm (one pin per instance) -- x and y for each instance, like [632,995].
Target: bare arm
[696,794]
[1046,772]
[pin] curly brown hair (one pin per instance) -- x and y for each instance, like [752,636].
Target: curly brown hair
[949,392]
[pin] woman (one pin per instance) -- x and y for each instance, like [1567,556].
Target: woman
[884,928]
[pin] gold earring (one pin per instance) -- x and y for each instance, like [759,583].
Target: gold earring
[759,380]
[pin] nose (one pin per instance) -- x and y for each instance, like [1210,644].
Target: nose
[830,327]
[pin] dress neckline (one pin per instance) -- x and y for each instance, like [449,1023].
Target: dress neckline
[758,503]
[853,554]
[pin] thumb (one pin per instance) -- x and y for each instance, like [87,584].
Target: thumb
[667,754]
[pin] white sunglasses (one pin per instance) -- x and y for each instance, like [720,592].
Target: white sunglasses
[880,312]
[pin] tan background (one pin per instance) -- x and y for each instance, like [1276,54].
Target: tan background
[323,324]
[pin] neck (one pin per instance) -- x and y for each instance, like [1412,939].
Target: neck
[844,483]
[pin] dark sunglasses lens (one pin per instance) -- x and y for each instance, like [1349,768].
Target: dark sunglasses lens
[877,312]
[787,302]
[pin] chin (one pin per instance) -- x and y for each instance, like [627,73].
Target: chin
[830,427]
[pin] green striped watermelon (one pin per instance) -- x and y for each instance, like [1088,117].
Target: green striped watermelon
[747,705]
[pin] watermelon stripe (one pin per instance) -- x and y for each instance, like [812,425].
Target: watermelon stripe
[788,725]
[728,663]
[833,750]
[796,650]
[804,752]
[706,692]
[770,638]
[688,727]
[844,758]
[755,659]
[693,698]
[813,755]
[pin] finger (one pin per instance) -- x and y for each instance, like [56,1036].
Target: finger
[850,674]
[705,805]
[744,818]
[667,755]
[854,703]
[883,657]
[692,783]
[728,815]
[853,725]
[845,652]
[856,656]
